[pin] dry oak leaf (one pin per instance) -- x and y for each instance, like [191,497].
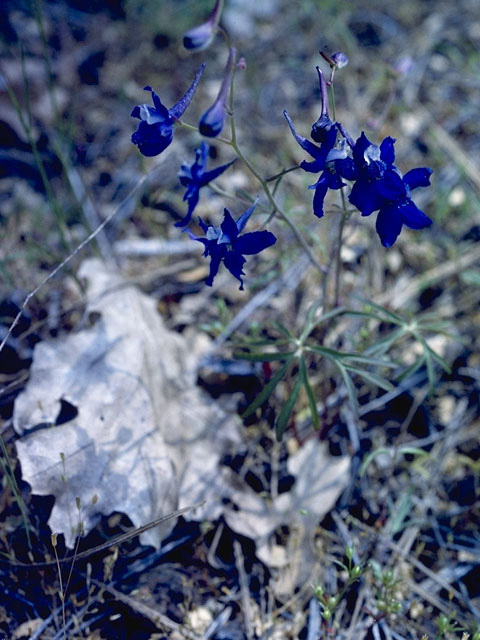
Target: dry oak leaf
[145,439]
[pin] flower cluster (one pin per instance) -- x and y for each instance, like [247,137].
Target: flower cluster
[155,132]
[378,183]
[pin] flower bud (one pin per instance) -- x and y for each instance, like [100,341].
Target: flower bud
[201,36]
[213,120]
[322,126]
[340,59]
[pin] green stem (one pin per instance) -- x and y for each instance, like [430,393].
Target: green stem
[282,173]
[276,207]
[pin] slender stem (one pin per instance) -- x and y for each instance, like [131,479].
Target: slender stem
[194,128]
[266,188]
[332,92]
[282,173]
[338,250]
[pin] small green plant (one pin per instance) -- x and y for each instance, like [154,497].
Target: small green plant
[386,599]
[329,602]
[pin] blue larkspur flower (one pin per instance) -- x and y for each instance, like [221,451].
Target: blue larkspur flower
[379,185]
[225,244]
[194,177]
[155,130]
[334,163]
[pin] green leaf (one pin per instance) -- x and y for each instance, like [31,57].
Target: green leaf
[310,395]
[287,409]
[352,396]
[383,345]
[411,369]
[371,361]
[443,363]
[327,352]
[286,332]
[311,323]
[393,317]
[264,357]
[373,378]
[414,451]
[371,456]
[266,391]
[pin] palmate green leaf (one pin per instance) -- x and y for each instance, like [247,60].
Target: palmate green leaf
[309,391]
[311,323]
[373,378]
[286,332]
[266,391]
[287,409]
[264,357]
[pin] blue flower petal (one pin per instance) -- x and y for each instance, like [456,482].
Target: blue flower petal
[309,147]
[229,229]
[391,186]
[365,197]
[234,262]
[389,224]
[152,139]
[214,265]
[245,217]
[208,176]
[418,177]
[387,150]
[157,103]
[412,216]
[361,145]
[321,188]
[254,242]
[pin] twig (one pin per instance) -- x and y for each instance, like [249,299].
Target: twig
[131,533]
[155,616]
[242,577]
[396,299]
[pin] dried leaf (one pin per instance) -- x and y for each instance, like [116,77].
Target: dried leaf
[146,440]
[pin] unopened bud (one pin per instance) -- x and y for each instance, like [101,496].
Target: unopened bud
[340,59]
[200,37]
[213,120]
